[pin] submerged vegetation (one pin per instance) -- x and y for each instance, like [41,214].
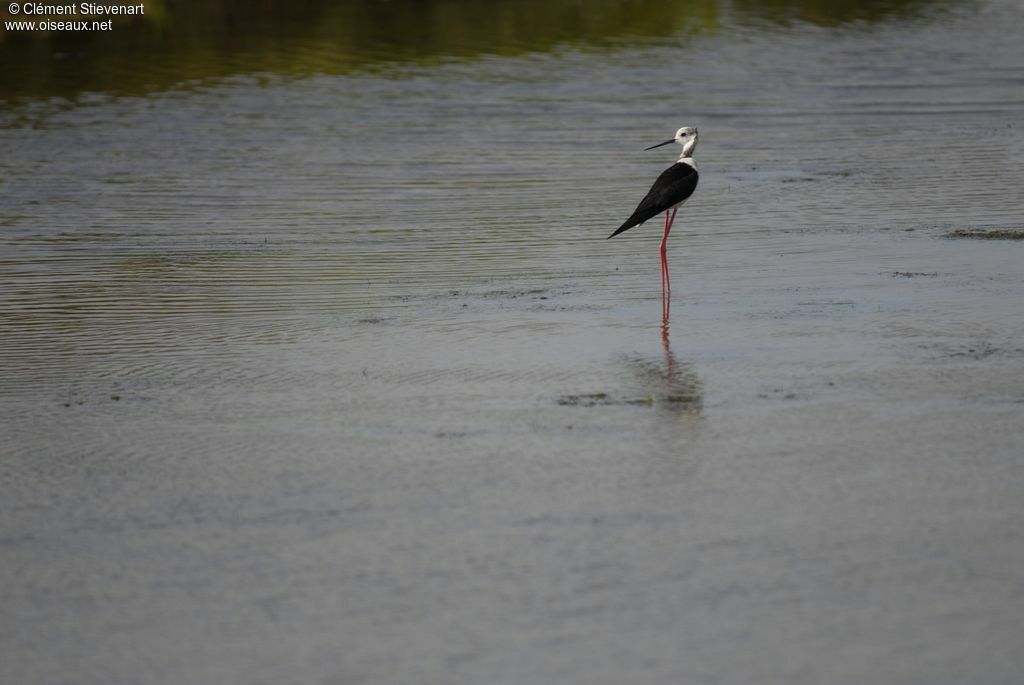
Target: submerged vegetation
[184,41]
[1004,234]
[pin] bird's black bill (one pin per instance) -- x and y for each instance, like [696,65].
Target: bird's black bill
[659,144]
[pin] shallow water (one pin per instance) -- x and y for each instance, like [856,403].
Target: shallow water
[322,370]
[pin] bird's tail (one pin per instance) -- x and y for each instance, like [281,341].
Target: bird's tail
[624,227]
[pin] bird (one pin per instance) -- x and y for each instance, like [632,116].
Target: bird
[671,189]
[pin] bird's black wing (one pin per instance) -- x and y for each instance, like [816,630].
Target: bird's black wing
[673,186]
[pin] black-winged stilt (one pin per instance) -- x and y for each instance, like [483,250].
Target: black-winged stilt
[674,187]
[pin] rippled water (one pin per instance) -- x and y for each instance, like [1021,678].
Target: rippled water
[233,210]
[331,354]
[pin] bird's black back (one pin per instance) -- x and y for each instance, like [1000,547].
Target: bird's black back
[673,186]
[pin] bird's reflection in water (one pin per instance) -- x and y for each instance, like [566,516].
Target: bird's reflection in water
[645,380]
[670,359]
[666,310]
[670,384]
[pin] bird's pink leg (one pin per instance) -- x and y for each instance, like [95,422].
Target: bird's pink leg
[664,263]
[666,285]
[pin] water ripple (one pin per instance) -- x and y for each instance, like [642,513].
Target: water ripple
[145,230]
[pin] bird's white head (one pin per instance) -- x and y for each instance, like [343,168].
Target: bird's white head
[687,137]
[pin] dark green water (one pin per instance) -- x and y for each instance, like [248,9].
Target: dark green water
[181,41]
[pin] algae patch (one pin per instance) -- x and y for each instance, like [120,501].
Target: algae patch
[1004,234]
[601,399]
[587,400]
[596,399]
[914,274]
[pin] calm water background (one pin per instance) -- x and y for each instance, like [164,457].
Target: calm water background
[317,367]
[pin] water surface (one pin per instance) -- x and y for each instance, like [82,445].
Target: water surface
[317,365]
